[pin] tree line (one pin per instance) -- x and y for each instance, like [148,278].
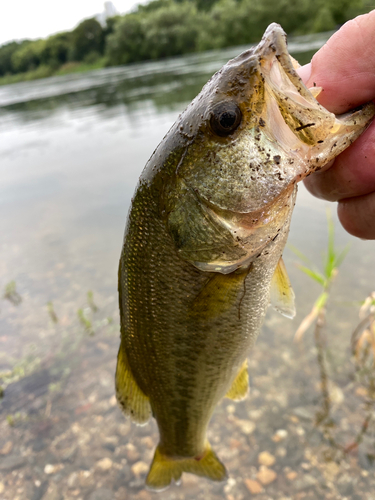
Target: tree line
[165,28]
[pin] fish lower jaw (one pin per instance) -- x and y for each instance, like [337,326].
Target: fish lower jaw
[228,268]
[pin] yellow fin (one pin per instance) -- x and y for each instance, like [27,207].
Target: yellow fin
[315,91]
[164,469]
[218,295]
[282,295]
[240,385]
[134,403]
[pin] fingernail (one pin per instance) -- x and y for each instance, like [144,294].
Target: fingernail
[304,72]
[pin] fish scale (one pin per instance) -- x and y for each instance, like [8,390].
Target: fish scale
[202,253]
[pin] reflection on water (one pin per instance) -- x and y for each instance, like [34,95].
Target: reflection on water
[71,150]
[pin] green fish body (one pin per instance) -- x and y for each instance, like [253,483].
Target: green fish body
[203,244]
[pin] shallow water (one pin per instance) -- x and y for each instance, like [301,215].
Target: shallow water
[71,150]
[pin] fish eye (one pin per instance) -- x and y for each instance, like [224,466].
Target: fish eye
[225,118]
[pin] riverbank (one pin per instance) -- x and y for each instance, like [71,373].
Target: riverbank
[46,71]
[162,29]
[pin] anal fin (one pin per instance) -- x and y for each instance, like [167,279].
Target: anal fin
[282,295]
[240,385]
[133,402]
[166,469]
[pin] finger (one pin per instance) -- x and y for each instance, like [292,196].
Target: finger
[357,215]
[352,174]
[345,66]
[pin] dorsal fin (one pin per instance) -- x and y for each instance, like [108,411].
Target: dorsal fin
[282,295]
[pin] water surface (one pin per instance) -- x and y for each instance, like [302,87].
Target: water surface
[71,151]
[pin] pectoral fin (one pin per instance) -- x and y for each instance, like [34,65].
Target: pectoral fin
[282,295]
[240,385]
[218,295]
[134,403]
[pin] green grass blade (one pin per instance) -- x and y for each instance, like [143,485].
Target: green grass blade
[316,276]
[299,254]
[331,254]
[341,256]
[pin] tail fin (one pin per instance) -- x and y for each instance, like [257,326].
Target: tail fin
[165,469]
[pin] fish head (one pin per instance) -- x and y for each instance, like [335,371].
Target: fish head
[255,129]
[250,135]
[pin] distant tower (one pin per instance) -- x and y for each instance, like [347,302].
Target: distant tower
[110,9]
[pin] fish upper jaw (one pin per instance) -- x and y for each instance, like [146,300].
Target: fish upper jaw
[292,117]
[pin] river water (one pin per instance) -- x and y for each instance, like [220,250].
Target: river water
[71,150]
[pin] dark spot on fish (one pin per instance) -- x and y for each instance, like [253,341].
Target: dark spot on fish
[320,142]
[262,123]
[304,126]
[277,159]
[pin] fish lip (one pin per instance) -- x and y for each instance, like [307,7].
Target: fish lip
[273,48]
[274,45]
[273,42]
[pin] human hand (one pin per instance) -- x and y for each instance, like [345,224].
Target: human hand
[345,68]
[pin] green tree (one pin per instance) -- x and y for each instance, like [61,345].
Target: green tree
[56,50]
[85,38]
[110,25]
[6,53]
[153,5]
[28,57]
[172,30]
[126,44]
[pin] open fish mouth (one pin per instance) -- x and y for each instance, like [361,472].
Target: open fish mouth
[293,117]
[284,135]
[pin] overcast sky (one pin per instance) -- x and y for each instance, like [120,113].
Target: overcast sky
[41,18]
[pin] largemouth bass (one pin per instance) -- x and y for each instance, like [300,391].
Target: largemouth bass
[202,254]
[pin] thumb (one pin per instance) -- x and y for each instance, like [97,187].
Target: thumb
[345,66]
